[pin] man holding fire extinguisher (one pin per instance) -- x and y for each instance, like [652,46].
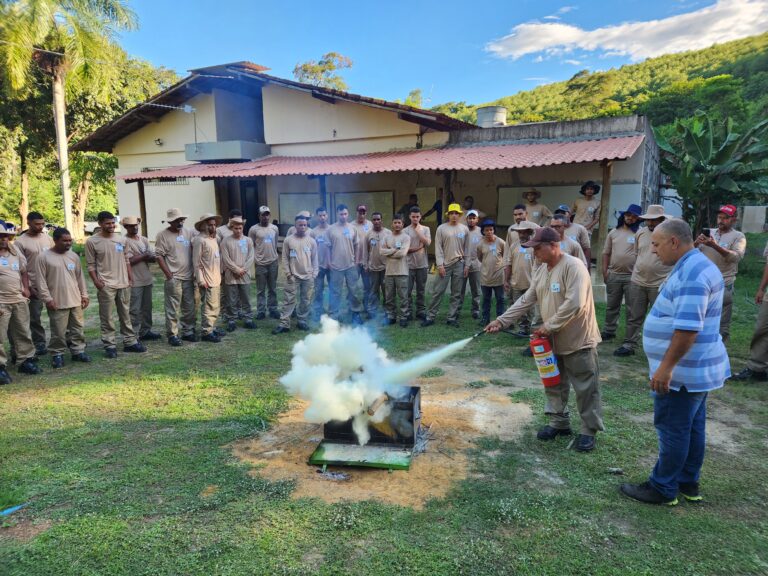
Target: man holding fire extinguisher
[563,290]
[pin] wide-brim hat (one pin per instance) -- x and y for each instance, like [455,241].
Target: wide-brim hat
[590,184]
[654,211]
[235,220]
[454,208]
[130,220]
[7,228]
[532,190]
[633,209]
[525,225]
[173,214]
[204,218]
[542,236]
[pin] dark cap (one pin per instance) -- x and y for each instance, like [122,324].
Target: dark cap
[562,209]
[541,236]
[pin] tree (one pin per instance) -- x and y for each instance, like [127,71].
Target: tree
[414,98]
[323,72]
[711,164]
[68,41]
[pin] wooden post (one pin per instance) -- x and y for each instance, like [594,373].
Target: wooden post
[142,208]
[323,192]
[605,203]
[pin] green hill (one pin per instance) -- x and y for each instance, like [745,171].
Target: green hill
[728,79]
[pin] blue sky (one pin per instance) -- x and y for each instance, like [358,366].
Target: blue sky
[452,50]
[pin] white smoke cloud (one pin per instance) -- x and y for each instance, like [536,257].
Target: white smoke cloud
[341,371]
[725,20]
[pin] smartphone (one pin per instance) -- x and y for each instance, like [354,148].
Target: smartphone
[706,232]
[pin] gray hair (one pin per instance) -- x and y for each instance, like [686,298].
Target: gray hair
[676,228]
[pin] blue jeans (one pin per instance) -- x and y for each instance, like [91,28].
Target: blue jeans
[488,293]
[679,418]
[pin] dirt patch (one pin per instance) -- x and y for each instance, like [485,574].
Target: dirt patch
[25,530]
[457,415]
[209,491]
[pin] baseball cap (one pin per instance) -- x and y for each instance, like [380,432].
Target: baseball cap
[455,208]
[563,208]
[542,235]
[263,209]
[729,209]
[472,213]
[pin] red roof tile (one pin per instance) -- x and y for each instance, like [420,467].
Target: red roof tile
[499,157]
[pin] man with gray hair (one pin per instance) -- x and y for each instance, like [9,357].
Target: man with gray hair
[687,359]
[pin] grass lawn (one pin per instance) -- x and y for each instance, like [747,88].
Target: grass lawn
[126,468]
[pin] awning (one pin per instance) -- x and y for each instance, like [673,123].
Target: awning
[477,157]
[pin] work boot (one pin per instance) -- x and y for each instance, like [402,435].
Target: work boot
[137,347]
[174,341]
[81,357]
[749,374]
[281,330]
[585,443]
[427,322]
[302,326]
[211,337]
[274,314]
[388,322]
[646,493]
[261,316]
[421,316]
[249,324]
[108,352]
[623,351]
[475,315]
[29,366]
[357,319]
[231,326]
[550,433]
[41,350]
[150,336]
[57,361]
[5,378]
[191,337]
[606,336]
[454,323]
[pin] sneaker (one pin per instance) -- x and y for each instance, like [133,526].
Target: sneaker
[623,351]
[261,316]
[356,318]
[174,341]
[189,337]
[427,322]
[5,378]
[403,323]
[83,357]
[211,337]
[41,350]
[138,347]
[749,374]
[231,326]
[302,326]
[526,352]
[57,361]
[108,353]
[29,366]
[585,443]
[690,491]
[274,314]
[150,336]
[550,433]
[249,324]
[281,330]
[606,336]
[646,493]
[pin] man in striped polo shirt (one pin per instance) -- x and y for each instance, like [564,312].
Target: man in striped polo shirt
[687,359]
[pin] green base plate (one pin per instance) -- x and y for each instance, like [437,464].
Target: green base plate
[369,456]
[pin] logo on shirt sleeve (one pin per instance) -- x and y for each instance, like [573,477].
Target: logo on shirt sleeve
[293,254]
[70,266]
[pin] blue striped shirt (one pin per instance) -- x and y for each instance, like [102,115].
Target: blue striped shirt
[691,299]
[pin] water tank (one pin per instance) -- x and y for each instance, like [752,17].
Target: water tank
[491,116]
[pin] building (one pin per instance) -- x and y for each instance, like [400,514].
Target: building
[232,136]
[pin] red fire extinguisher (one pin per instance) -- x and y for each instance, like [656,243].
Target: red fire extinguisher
[545,361]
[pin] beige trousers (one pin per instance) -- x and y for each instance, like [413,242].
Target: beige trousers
[304,289]
[581,371]
[616,289]
[14,323]
[725,316]
[237,300]
[758,349]
[640,300]
[141,309]
[36,324]
[66,329]
[454,277]
[396,288]
[119,299]
[210,308]
[179,301]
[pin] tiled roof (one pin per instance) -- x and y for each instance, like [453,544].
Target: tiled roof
[499,157]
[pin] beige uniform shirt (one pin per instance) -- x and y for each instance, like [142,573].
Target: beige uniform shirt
[418,259]
[206,259]
[30,247]
[570,247]
[475,238]
[300,257]
[264,243]
[584,211]
[538,214]
[372,255]
[451,244]
[176,249]
[59,277]
[521,260]
[142,275]
[236,255]
[729,265]
[323,247]
[12,265]
[222,232]
[362,231]
[648,272]
[395,250]
[108,259]
[620,245]
[344,244]
[491,256]
[564,295]
[579,234]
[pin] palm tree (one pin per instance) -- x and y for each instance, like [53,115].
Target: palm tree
[72,41]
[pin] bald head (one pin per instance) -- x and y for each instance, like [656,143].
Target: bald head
[676,228]
[671,240]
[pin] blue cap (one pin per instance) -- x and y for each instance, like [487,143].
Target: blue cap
[563,208]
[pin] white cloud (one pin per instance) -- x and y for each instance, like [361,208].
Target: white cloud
[726,20]
[572,62]
[563,10]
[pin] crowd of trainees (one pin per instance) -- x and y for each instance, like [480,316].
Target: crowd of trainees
[209,268]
